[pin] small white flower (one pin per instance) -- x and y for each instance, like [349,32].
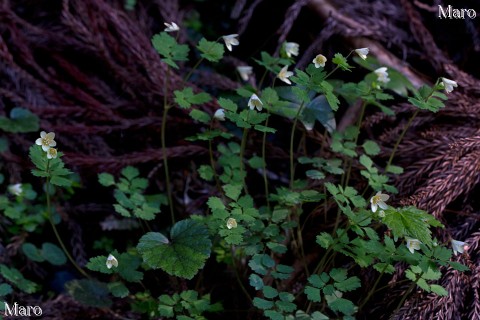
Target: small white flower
[382,75]
[458,246]
[284,74]
[378,200]
[231,40]
[362,52]
[51,153]
[319,61]
[245,72]
[255,102]
[219,115]
[171,27]
[46,140]
[381,214]
[449,84]
[111,262]
[291,49]
[231,223]
[15,189]
[413,244]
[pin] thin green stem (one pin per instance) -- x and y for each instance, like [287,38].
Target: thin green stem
[372,290]
[189,74]
[212,162]
[243,173]
[55,231]
[166,107]
[400,304]
[240,283]
[359,123]
[292,136]
[264,164]
[400,138]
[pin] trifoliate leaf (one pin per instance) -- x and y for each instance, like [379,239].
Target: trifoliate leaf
[99,264]
[90,292]
[186,98]
[183,255]
[341,61]
[210,50]
[169,49]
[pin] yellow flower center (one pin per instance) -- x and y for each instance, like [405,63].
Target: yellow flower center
[376,199]
[46,142]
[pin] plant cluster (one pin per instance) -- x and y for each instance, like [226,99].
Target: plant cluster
[262,235]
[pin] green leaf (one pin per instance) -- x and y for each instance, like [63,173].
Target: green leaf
[313,294]
[371,148]
[394,169]
[5,289]
[325,240]
[89,292]
[210,50]
[118,289]
[342,305]
[60,181]
[21,120]
[168,48]
[341,61]
[130,172]
[99,264]
[256,281]
[269,292]
[349,284]
[261,128]
[183,255]
[16,278]
[200,116]
[106,179]
[439,290]
[315,174]
[38,157]
[32,252]
[227,104]
[233,191]
[206,172]
[262,303]
[53,254]
[186,98]
[458,266]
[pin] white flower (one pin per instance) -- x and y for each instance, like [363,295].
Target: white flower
[284,74]
[382,75]
[378,200]
[319,61]
[231,40]
[15,189]
[51,153]
[46,140]
[291,49]
[111,262]
[255,102]
[219,115]
[413,244]
[171,27]
[458,246]
[245,72]
[381,214]
[449,84]
[362,52]
[231,223]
